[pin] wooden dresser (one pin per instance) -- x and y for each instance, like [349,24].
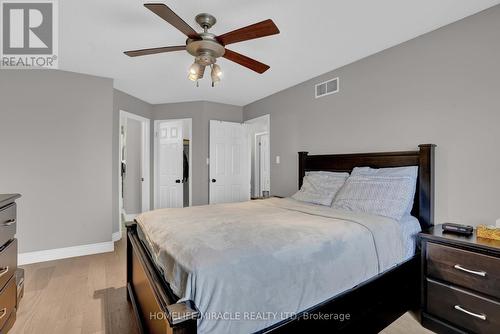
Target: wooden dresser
[8,261]
[460,283]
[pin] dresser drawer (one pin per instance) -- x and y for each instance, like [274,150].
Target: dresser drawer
[7,301]
[468,269]
[8,262]
[462,308]
[7,223]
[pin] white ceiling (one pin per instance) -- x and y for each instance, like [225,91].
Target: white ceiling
[316,36]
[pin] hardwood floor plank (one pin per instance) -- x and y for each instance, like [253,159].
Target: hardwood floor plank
[405,324]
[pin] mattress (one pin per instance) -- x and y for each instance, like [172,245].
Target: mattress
[410,227]
[294,254]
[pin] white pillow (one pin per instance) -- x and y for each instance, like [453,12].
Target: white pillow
[328,181]
[410,171]
[379,195]
[320,187]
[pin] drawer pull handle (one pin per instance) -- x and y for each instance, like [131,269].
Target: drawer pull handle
[4,271]
[479,273]
[475,315]
[3,312]
[9,222]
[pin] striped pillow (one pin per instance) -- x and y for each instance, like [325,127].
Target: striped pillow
[410,171]
[379,195]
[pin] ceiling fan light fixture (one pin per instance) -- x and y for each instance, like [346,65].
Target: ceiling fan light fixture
[216,74]
[194,69]
[196,72]
[192,77]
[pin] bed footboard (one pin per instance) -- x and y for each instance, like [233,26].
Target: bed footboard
[155,308]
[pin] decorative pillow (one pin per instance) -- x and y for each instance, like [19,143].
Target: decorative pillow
[379,195]
[320,187]
[411,171]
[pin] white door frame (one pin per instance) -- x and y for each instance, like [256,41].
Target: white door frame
[145,168]
[257,163]
[267,119]
[155,158]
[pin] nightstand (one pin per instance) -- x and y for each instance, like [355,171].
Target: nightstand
[460,283]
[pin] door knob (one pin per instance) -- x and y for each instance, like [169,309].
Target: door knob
[214,180]
[177,181]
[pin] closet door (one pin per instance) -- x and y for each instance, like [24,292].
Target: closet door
[170,165]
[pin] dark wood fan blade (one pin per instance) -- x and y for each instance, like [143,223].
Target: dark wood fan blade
[168,15]
[145,52]
[250,63]
[257,30]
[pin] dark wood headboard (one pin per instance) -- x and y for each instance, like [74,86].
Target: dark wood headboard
[423,207]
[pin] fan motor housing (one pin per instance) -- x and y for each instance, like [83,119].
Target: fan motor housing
[206,50]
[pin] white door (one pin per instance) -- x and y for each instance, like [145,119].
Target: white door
[170,165]
[265,166]
[229,162]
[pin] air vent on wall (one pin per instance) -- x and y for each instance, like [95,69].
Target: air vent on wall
[327,88]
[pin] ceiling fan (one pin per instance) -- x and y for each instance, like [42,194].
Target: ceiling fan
[207,47]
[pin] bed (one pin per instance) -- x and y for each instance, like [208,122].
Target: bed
[272,266]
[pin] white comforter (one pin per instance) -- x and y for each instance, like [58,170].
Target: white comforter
[250,265]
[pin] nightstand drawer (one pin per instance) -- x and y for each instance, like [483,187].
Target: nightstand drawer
[468,269]
[462,308]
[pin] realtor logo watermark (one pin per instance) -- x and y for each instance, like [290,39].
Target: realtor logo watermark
[29,34]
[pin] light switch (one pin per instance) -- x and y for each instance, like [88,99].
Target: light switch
[277,159]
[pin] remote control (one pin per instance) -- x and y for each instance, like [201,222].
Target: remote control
[458,229]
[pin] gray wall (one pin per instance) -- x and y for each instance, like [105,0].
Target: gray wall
[125,102]
[132,185]
[56,148]
[442,88]
[201,113]
[59,136]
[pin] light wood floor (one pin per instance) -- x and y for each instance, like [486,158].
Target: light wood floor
[87,295]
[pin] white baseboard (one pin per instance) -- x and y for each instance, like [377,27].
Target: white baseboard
[116,236]
[63,253]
